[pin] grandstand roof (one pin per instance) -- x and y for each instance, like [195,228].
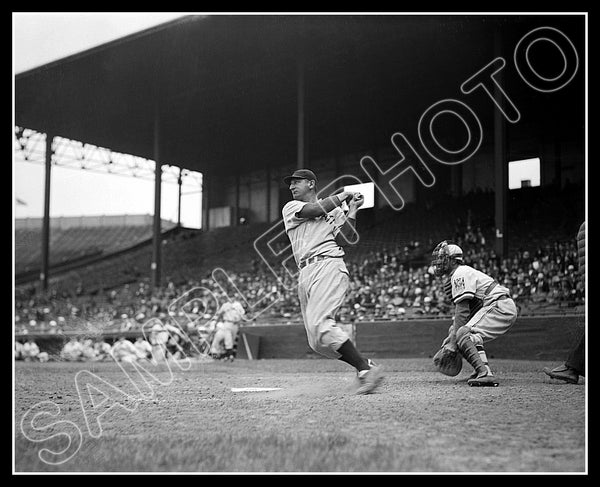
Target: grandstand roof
[225,85]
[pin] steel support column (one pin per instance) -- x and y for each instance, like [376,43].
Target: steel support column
[156,237]
[46,219]
[179,182]
[268,193]
[301,121]
[500,161]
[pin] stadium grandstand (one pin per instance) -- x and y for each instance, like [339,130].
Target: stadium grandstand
[389,265]
[262,111]
[75,240]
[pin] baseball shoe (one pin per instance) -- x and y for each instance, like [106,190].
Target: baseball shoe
[487,380]
[475,374]
[369,381]
[562,372]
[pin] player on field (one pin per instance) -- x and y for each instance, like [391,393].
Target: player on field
[317,229]
[228,318]
[484,310]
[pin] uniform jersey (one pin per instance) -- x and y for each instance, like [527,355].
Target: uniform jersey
[471,284]
[312,236]
[474,304]
[232,311]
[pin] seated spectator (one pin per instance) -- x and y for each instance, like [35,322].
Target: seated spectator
[102,351]
[143,347]
[72,351]
[166,341]
[88,352]
[30,351]
[125,351]
[18,350]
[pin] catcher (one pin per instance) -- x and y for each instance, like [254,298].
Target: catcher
[483,311]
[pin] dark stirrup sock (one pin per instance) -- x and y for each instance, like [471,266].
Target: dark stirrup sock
[351,356]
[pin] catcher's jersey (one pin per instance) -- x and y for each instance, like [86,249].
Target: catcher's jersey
[312,236]
[471,284]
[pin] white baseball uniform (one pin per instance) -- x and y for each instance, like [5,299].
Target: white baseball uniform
[231,313]
[493,311]
[323,279]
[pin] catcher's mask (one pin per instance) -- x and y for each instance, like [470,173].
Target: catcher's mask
[444,256]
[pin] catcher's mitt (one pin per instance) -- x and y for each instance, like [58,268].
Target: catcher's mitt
[448,361]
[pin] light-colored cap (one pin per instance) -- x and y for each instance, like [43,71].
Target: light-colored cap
[455,251]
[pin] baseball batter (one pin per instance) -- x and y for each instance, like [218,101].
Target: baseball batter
[483,310]
[317,230]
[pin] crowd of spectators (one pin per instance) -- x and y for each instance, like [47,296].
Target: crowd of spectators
[29,351]
[158,342]
[390,283]
[81,349]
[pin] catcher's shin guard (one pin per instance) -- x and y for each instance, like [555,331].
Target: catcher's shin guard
[469,352]
[484,358]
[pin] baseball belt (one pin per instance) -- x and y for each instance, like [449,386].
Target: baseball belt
[489,290]
[312,260]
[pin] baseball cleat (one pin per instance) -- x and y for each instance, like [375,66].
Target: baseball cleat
[483,381]
[474,375]
[562,372]
[371,380]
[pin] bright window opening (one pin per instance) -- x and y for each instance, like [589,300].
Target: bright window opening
[524,173]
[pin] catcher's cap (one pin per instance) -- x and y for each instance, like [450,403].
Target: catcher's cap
[455,251]
[301,174]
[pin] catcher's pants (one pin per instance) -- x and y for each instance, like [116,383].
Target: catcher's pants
[493,320]
[322,288]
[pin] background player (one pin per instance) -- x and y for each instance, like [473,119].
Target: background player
[483,310]
[317,229]
[228,318]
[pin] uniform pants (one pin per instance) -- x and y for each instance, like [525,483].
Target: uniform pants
[224,338]
[576,358]
[493,320]
[322,288]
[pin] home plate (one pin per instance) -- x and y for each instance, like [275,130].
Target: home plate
[254,389]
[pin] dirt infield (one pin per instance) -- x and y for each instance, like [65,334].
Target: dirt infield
[191,421]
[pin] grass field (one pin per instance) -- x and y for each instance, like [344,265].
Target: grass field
[190,420]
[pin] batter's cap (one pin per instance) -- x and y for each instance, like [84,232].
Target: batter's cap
[301,174]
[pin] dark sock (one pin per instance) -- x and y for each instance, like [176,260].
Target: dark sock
[352,356]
